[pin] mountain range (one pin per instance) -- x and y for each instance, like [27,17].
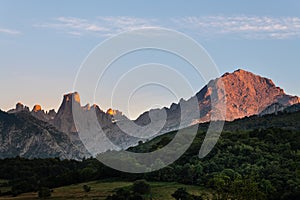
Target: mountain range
[36,133]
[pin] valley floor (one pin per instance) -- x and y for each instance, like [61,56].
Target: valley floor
[100,190]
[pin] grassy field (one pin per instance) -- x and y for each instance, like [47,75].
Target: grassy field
[100,190]
[3,187]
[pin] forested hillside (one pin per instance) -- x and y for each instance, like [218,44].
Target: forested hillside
[253,159]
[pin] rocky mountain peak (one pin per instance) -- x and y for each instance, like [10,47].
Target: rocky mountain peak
[112,112]
[26,136]
[72,96]
[246,94]
[248,77]
[87,107]
[51,113]
[37,108]
[19,108]
[64,117]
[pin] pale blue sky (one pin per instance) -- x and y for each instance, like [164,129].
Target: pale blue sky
[42,44]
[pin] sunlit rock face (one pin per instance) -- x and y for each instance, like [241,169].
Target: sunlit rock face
[37,112]
[40,114]
[240,93]
[37,108]
[111,112]
[245,93]
[233,96]
[248,94]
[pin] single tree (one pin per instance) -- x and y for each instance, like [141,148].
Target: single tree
[141,187]
[86,188]
[44,192]
[180,194]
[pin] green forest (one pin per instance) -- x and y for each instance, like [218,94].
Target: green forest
[247,163]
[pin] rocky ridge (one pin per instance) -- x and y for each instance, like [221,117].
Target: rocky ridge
[242,93]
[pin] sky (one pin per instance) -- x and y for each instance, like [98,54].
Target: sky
[43,44]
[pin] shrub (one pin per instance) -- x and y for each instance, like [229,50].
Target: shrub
[141,187]
[44,192]
[182,194]
[86,188]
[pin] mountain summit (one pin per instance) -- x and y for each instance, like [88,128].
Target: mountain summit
[64,117]
[242,93]
[246,94]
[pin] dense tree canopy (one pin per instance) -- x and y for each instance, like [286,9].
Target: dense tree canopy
[260,163]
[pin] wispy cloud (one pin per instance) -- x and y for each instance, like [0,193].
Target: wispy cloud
[9,31]
[101,26]
[250,27]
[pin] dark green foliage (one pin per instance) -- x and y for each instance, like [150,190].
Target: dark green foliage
[28,175]
[139,191]
[260,163]
[253,159]
[44,192]
[86,188]
[182,194]
[121,194]
[141,187]
[235,187]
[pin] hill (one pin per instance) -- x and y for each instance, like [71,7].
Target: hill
[234,95]
[26,136]
[254,159]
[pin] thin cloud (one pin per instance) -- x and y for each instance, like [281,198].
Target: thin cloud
[74,33]
[101,26]
[9,31]
[249,27]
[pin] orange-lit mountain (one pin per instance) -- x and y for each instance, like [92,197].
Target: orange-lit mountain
[244,94]
[64,118]
[37,112]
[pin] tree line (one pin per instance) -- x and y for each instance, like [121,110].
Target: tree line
[257,164]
